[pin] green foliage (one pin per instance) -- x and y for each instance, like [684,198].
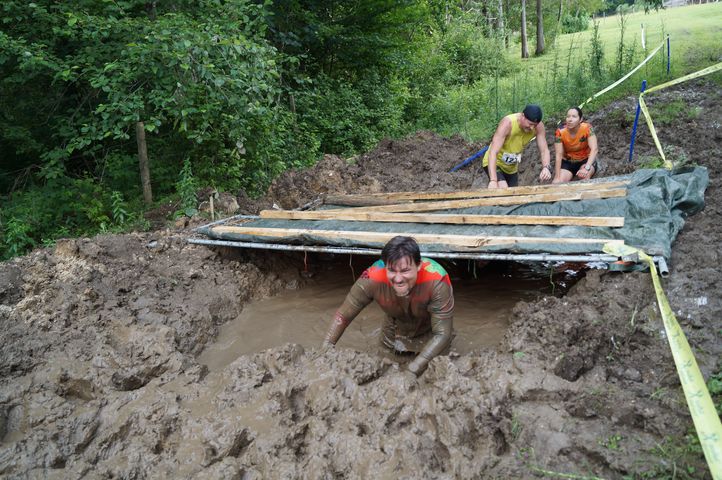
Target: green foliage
[670,112]
[574,23]
[243,90]
[676,458]
[714,385]
[118,208]
[347,117]
[613,6]
[613,442]
[516,428]
[16,238]
[345,39]
[75,78]
[186,189]
[596,57]
[468,54]
[58,208]
[625,53]
[193,77]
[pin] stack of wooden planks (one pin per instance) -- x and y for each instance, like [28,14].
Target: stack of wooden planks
[409,207]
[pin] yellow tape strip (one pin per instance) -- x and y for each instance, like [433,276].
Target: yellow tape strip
[700,73]
[648,118]
[601,92]
[650,125]
[704,416]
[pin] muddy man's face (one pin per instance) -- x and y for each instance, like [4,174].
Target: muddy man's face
[402,275]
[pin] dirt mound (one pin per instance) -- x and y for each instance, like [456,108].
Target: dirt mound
[99,376]
[420,162]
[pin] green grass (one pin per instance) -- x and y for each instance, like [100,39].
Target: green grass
[562,76]
[690,28]
[677,458]
[613,442]
[671,112]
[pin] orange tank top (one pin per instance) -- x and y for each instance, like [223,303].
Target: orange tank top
[576,148]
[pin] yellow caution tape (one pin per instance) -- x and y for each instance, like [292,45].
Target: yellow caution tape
[648,118]
[650,125]
[601,92]
[704,416]
[701,73]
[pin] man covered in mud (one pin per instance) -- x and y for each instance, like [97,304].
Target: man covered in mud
[416,295]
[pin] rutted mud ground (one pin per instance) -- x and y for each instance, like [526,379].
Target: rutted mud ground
[99,375]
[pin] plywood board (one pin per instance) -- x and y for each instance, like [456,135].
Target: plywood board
[457,219]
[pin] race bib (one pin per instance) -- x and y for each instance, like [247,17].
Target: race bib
[511,158]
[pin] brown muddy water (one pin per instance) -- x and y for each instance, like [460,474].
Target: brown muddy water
[481,315]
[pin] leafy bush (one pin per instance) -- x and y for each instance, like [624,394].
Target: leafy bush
[118,208]
[186,188]
[16,239]
[473,56]
[347,117]
[61,207]
[574,23]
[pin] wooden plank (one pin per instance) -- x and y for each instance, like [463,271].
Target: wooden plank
[397,197]
[491,202]
[461,241]
[458,219]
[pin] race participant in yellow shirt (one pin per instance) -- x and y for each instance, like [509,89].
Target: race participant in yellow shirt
[515,131]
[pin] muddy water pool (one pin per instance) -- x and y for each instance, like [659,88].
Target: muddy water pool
[481,315]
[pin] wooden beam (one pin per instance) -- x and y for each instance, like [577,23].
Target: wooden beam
[397,197]
[460,241]
[458,219]
[491,202]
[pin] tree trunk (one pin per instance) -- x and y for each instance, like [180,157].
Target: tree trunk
[500,22]
[561,8]
[524,47]
[539,29]
[150,8]
[507,10]
[559,23]
[143,162]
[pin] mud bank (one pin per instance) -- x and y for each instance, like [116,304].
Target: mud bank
[100,374]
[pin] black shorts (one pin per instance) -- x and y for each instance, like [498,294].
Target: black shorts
[511,179]
[575,166]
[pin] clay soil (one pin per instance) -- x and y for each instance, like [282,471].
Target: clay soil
[99,376]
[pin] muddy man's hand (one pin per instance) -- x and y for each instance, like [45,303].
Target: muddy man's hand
[408,380]
[417,366]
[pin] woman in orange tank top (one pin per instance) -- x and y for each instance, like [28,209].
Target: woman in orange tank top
[575,147]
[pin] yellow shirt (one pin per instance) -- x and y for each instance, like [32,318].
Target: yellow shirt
[507,160]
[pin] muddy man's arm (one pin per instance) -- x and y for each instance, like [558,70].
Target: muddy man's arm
[441,308]
[359,296]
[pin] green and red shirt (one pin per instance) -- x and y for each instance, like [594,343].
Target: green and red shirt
[429,306]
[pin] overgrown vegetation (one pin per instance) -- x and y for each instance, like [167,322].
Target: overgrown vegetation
[230,94]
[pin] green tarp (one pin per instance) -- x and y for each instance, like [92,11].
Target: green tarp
[656,205]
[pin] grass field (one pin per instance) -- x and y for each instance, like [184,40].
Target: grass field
[563,76]
[694,33]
